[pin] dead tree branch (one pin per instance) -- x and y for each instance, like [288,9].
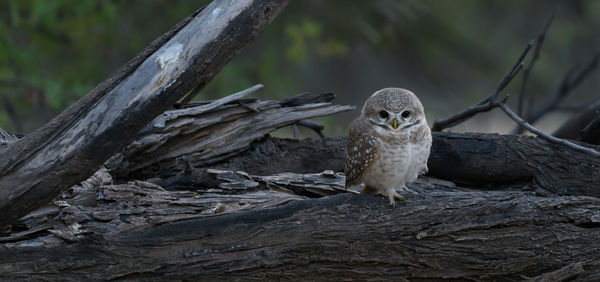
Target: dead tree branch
[536,53]
[493,101]
[538,132]
[315,126]
[208,133]
[72,146]
[484,105]
[570,81]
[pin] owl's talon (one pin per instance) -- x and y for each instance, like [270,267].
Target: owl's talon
[393,196]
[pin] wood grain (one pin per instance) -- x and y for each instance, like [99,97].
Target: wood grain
[76,143]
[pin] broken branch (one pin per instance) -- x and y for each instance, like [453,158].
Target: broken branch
[484,105]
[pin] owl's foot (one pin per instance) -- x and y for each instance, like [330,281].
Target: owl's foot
[392,195]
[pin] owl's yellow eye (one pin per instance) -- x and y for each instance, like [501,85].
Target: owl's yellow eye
[405,114]
[383,114]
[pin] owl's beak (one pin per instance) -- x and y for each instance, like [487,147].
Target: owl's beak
[395,124]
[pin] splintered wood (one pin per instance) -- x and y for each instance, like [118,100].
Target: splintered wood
[210,132]
[98,205]
[322,184]
[204,132]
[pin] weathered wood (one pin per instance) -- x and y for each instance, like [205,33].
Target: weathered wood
[313,185]
[480,160]
[264,157]
[74,145]
[503,236]
[490,159]
[99,205]
[7,138]
[208,133]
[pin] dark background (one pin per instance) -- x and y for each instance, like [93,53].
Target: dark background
[450,53]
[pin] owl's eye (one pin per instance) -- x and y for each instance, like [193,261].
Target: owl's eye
[383,114]
[405,114]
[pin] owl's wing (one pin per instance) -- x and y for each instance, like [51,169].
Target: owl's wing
[360,151]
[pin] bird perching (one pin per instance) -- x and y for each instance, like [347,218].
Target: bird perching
[388,144]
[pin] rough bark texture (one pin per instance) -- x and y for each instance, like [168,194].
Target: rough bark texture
[478,160]
[208,133]
[202,194]
[74,145]
[502,236]
[257,225]
[490,159]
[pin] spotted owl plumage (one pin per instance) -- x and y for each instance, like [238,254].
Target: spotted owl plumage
[388,144]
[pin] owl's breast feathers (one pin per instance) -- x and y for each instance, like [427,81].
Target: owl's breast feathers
[365,141]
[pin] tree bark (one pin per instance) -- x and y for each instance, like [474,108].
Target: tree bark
[248,227]
[211,132]
[239,214]
[501,236]
[478,160]
[77,142]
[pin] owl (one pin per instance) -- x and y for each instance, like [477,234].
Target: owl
[388,144]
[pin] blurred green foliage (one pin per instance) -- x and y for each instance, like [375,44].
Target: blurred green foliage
[451,53]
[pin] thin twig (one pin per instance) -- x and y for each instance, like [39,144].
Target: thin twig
[536,53]
[483,105]
[539,133]
[571,80]
[315,126]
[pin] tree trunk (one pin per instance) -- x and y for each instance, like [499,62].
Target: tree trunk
[77,142]
[502,236]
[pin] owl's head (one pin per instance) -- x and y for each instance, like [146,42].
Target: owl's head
[394,109]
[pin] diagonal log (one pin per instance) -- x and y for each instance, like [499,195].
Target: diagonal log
[73,145]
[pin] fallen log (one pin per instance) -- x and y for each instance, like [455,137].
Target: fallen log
[248,226]
[76,143]
[472,160]
[438,235]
